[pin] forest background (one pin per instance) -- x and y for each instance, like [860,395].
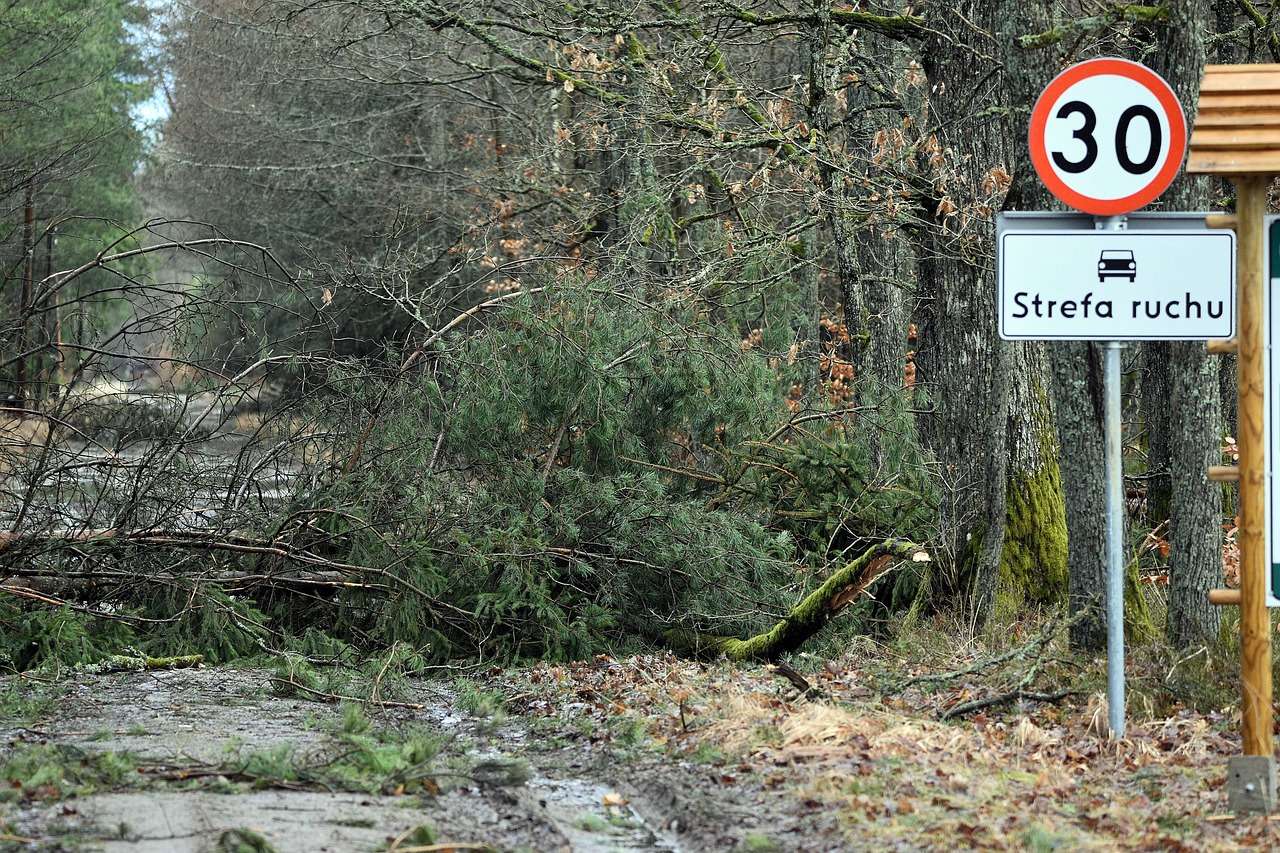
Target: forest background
[530,330]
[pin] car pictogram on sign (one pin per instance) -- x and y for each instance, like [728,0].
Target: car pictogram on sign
[1117,263]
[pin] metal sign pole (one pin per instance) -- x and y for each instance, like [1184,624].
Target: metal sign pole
[1115,518]
[1115,543]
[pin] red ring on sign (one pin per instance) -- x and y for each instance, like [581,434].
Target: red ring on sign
[1144,77]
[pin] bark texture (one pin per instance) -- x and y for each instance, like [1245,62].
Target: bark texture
[1034,563]
[1155,393]
[1077,384]
[874,257]
[1194,403]
[969,375]
[870,253]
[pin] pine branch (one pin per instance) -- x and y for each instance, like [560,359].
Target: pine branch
[1123,12]
[1263,24]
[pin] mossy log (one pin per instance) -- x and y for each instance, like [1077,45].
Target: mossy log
[808,617]
[138,663]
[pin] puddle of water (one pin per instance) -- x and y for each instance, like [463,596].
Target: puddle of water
[581,810]
[593,817]
[82,483]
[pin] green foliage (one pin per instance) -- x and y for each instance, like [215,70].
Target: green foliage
[591,822]
[383,677]
[73,75]
[43,637]
[50,771]
[243,841]
[846,486]
[758,842]
[200,619]
[366,760]
[25,701]
[315,644]
[477,701]
[295,676]
[591,467]
[623,380]
[208,621]
[558,512]
[1039,839]
[354,720]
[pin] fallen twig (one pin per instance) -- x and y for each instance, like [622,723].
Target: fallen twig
[335,697]
[1036,644]
[1011,696]
[797,680]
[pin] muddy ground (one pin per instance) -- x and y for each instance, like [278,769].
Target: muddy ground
[580,793]
[643,754]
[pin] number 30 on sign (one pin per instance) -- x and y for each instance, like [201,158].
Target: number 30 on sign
[1107,136]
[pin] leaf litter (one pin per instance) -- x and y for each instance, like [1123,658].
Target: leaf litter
[698,756]
[865,768]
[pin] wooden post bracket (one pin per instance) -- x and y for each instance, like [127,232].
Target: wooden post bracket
[1224,597]
[1223,474]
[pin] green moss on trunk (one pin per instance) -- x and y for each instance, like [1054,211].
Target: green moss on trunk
[1139,627]
[1033,566]
[808,617]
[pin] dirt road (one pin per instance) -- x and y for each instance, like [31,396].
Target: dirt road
[642,754]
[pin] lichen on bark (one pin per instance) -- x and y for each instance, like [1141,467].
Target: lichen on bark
[1034,563]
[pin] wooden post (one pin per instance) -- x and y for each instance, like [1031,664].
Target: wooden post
[1237,136]
[1255,626]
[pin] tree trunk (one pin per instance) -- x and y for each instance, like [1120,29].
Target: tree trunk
[58,366]
[1078,395]
[1034,563]
[24,298]
[968,373]
[1194,403]
[1155,417]
[873,259]
[1047,476]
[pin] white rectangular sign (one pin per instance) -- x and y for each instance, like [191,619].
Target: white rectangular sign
[1271,401]
[1117,285]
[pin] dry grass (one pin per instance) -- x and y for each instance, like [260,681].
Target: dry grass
[1033,776]
[171,371]
[20,439]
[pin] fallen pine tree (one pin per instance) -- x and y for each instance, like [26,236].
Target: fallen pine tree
[808,617]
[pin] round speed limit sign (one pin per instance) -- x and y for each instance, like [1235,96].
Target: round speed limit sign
[1108,136]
